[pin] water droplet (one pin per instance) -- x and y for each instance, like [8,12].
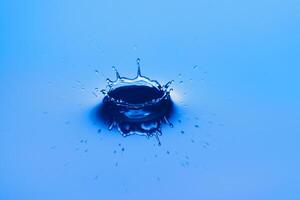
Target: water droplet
[53,147]
[135,47]
[94,94]
[205,145]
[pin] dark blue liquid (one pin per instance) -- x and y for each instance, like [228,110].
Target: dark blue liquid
[135,115]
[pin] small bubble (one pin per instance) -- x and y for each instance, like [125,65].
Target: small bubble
[81,141]
[116,164]
[99,130]
[123,149]
[196,126]
[195,67]
[182,132]
[115,152]
[180,82]
[96,177]
[67,122]
[179,121]
[96,71]
[193,141]
[86,150]
[180,75]
[168,152]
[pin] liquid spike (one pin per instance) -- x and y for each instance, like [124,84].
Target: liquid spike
[139,67]
[103,91]
[168,84]
[157,138]
[168,122]
[117,73]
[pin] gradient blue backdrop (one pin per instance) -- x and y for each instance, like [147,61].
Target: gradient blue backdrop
[239,66]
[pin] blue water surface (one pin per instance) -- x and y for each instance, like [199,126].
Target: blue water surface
[236,92]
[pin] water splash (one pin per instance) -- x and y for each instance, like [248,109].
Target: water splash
[137,105]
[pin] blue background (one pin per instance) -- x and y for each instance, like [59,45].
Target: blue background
[239,66]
